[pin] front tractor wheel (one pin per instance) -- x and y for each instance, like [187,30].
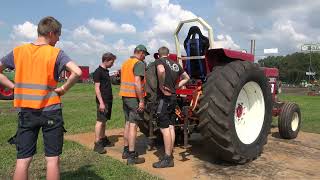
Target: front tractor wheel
[289,121]
[235,111]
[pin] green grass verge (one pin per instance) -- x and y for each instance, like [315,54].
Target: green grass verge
[80,109]
[77,162]
[309,107]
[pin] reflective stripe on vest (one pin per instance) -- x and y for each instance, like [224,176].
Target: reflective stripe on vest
[35,97]
[34,76]
[127,86]
[33,86]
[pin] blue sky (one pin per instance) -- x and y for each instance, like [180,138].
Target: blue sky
[91,27]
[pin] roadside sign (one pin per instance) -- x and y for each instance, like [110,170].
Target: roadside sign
[310,73]
[270,51]
[310,47]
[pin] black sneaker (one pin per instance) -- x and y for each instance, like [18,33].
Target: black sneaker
[98,147]
[166,161]
[105,142]
[125,153]
[134,159]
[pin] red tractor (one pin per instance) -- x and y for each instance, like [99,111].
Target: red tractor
[228,99]
[289,115]
[6,93]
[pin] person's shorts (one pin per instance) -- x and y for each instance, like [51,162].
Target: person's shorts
[130,106]
[165,111]
[29,125]
[106,115]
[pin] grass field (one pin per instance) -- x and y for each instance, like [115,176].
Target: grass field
[79,115]
[77,162]
[310,111]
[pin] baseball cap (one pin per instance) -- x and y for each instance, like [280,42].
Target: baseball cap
[141,47]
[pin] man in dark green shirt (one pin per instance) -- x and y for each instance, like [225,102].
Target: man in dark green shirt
[131,90]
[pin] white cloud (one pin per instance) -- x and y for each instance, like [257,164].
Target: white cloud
[225,41]
[284,24]
[287,29]
[219,20]
[86,47]
[122,49]
[155,43]
[127,28]
[136,6]
[108,26]
[165,15]
[26,30]
[127,4]
[166,18]
[84,33]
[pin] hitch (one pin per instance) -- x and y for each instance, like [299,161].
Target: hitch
[186,111]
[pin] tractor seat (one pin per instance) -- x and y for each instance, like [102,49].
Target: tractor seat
[196,44]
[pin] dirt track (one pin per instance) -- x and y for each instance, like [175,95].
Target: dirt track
[282,159]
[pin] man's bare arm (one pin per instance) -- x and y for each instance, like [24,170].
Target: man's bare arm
[138,88]
[139,92]
[74,77]
[161,77]
[98,92]
[185,78]
[3,79]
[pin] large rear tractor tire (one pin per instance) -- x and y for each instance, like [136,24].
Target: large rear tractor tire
[236,111]
[289,121]
[150,100]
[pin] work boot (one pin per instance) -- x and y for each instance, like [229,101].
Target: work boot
[125,153]
[134,159]
[105,142]
[99,148]
[165,161]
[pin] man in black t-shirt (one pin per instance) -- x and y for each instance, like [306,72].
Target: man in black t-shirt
[104,98]
[168,73]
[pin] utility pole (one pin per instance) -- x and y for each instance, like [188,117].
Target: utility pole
[310,48]
[253,48]
[310,63]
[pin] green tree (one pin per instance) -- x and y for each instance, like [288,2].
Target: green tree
[293,67]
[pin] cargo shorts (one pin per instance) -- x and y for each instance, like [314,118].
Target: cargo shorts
[165,111]
[130,106]
[106,115]
[29,124]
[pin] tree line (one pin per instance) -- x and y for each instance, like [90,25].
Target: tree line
[293,67]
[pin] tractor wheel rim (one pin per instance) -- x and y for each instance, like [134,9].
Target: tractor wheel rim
[249,112]
[295,121]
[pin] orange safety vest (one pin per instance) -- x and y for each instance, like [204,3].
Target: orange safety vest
[127,86]
[34,76]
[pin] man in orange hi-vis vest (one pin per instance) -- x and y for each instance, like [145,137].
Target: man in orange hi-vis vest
[37,98]
[132,92]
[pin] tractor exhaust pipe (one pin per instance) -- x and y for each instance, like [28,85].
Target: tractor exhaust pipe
[253,47]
